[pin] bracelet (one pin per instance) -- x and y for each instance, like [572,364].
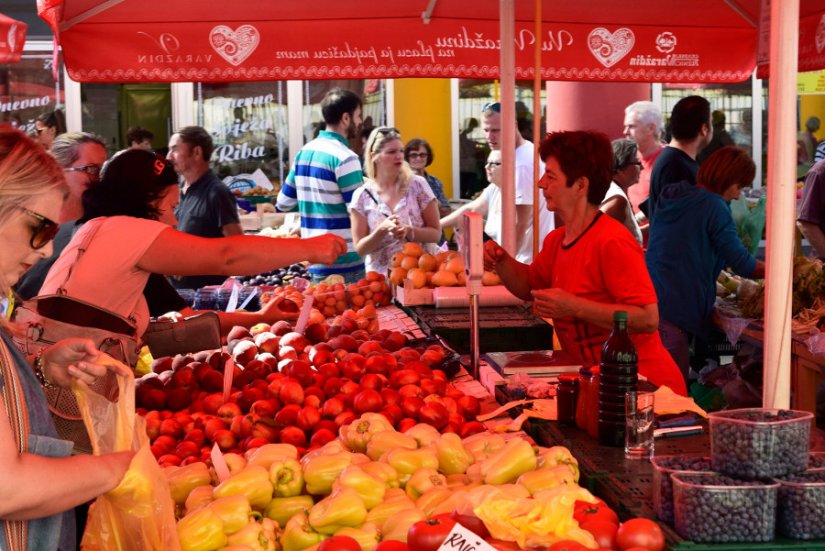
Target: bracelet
[39,374]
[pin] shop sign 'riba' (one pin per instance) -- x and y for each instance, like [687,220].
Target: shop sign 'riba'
[277,50]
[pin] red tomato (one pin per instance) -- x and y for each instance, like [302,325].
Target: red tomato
[566,545]
[392,545]
[339,543]
[472,523]
[640,532]
[603,530]
[584,511]
[428,535]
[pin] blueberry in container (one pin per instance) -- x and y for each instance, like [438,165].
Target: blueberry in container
[663,467]
[714,508]
[759,443]
[816,460]
[801,505]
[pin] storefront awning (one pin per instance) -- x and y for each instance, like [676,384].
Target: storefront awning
[210,40]
[12,39]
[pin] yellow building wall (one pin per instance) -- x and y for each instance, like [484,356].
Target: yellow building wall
[812,105]
[422,110]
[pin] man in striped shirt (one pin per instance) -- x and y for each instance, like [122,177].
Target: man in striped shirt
[322,180]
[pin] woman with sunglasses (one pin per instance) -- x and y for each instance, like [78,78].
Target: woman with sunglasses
[626,171]
[130,216]
[393,206]
[48,126]
[40,482]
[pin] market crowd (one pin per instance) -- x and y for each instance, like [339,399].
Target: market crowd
[127,233]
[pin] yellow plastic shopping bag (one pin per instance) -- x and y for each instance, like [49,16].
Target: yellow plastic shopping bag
[139,514]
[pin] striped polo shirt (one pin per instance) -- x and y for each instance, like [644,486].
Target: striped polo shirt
[320,184]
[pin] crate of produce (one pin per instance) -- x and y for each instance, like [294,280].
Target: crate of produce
[663,467]
[801,505]
[759,443]
[720,509]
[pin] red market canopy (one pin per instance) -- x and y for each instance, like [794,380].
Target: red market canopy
[210,40]
[12,39]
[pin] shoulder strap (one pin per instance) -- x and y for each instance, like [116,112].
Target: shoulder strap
[15,532]
[80,250]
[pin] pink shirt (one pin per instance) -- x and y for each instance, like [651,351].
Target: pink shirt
[107,274]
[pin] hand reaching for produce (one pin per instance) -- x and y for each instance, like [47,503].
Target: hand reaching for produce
[554,303]
[75,359]
[274,310]
[325,249]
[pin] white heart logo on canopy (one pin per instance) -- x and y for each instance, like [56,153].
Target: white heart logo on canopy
[820,35]
[234,46]
[609,47]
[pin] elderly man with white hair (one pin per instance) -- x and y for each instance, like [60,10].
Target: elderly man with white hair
[643,125]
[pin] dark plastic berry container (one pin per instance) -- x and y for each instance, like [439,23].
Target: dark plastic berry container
[801,506]
[663,467]
[713,508]
[759,443]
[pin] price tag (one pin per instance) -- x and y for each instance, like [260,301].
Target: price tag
[219,463]
[462,539]
[228,375]
[303,317]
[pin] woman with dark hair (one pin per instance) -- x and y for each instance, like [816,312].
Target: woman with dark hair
[626,170]
[48,126]
[419,155]
[591,267]
[129,235]
[693,239]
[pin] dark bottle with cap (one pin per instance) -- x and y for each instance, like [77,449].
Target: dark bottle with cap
[619,374]
[566,393]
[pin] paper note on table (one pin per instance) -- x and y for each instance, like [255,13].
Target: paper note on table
[261,180]
[461,539]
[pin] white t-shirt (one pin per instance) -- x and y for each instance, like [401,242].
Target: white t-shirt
[630,221]
[107,274]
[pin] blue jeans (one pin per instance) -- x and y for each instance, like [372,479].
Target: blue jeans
[677,343]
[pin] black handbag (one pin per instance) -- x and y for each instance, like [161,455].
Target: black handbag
[192,334]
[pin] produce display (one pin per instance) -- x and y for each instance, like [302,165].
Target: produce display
[663,467]
[445,269]
[758,443]
[281,276]
[802,505]
[718,508]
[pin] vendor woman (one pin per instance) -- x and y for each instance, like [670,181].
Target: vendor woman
[591,267]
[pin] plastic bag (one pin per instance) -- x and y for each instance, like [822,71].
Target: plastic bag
[139,514]
[750,221]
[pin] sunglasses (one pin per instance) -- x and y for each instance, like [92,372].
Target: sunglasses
[387,130]
[495,107]
[92,170]
[44,232]
[418,155]
[493,163]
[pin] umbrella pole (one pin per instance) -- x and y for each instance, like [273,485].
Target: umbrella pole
[537,130]
[784,44]
[508,126]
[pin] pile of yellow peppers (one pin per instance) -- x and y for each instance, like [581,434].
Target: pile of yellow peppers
[373,483]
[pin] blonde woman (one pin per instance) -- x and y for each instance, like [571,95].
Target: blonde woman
[40,482]
[394,206]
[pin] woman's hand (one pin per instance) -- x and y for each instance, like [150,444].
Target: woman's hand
[272,312]
[73,359]
[388,226]
[493,254]
[554,303]
[325,249]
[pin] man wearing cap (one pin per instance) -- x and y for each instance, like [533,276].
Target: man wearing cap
[207,208]
[524,189]
[323,179]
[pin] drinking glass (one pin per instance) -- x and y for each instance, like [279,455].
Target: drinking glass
[638,443]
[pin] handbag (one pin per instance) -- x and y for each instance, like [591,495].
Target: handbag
[192,334]
[47,319]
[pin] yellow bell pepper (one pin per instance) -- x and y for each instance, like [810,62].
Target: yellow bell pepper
[474,474]
[510,462]
[370,489]
[424,434]
[456,501]
[197,497]
[268,454]
[558,455]
[483,444]
[254,536]
[367,536]
[322,470]
[357,434]
[383,472]
[234,462]
[330,448]
[299,535]
[406,462]
[185,479]
[281,509]
[389,507]
[252,482]
[386,440]
[453,457]
[287,477]
[456,481]
[431,499]
[201,530]
[423,480]
[397,526]
[342,508]
[547,477]
[234,511]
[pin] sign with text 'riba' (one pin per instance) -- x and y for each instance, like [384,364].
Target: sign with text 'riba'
[280,50]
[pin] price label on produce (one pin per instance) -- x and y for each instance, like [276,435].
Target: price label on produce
[228,376]
[219,463]
[303,317]
[462,539]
